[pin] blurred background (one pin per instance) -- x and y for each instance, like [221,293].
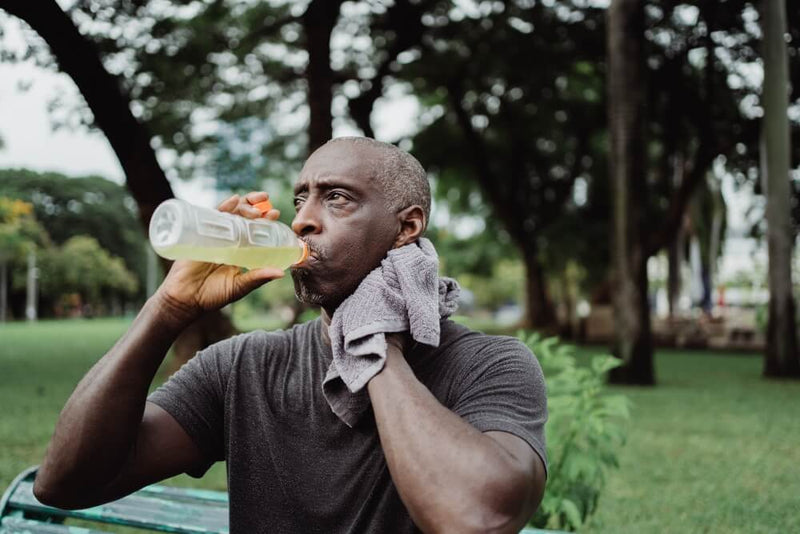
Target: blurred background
[617,175]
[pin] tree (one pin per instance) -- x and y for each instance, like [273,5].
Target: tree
[81,266]
[88,205]
[694,111]
[520,137]
[781,358]
[110,106]
[20,233]
[626,113]
[494,128]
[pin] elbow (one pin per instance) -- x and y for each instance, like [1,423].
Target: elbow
[51,493]
[507,506]
[483,513]
[503,511]
[496,522]
[46,493]
[484,520]
[56,499]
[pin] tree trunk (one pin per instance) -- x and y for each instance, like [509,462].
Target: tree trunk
[144,178]
[3,290]
[677,243]
[674,264]
[539,311]
[715,242]
[31,289]
[319,20]
[626,110]
[781,358]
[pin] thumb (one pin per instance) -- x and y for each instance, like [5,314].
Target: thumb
[258,277]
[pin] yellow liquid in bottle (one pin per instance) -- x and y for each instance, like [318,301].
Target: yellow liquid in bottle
[249,257]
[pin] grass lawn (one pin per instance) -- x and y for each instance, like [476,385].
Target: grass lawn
[713,448]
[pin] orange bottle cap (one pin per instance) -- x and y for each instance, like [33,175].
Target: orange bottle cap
[264,206]
[304,255]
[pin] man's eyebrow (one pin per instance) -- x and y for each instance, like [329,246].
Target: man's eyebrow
[324,183]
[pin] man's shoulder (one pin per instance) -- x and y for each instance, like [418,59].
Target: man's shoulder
[460,338]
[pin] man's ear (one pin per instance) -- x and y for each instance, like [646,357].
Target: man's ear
[412,224]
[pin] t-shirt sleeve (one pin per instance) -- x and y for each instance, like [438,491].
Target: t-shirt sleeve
[504,390]
[195,397]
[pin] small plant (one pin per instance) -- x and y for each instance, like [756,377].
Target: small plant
[585,430]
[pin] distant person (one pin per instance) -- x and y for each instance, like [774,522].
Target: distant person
[445,438]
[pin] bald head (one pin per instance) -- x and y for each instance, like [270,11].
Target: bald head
[398,173]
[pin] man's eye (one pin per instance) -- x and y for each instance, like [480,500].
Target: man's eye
[298,201]
[337,197]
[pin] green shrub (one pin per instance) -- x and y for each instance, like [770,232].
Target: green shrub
[585,431]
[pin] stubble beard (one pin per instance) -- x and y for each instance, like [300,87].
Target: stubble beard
[303,292]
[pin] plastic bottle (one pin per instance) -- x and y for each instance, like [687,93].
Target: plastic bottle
[179,230]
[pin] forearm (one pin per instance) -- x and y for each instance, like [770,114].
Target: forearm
[450,476]
[98,425]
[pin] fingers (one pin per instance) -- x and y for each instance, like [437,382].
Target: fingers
[272,214]
[229,204]
[245,207]
[254,197]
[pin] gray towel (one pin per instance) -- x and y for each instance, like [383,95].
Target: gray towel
[404,294]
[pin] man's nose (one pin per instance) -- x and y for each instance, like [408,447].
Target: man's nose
[306,220]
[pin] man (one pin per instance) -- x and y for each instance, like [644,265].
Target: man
[453,441]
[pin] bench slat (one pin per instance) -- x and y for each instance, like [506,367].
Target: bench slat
[19,525]
[178,511]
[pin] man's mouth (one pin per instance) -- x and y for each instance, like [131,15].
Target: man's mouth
[314,256]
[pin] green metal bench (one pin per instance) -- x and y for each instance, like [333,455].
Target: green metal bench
[155,508]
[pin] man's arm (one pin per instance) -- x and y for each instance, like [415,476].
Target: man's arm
[108,440]
[450,476]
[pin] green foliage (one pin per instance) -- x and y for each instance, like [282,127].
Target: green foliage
[486,263]
[585,431]
[494,132]
[505,284]
[19,229]
[82,266]
[476,254]
[70,206]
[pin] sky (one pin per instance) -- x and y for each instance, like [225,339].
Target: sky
[29,141]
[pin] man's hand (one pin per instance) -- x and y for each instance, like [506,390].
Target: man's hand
[401,340]
[192,287]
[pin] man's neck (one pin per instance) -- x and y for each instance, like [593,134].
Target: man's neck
[326,323]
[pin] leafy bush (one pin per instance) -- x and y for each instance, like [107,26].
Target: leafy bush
[585,431]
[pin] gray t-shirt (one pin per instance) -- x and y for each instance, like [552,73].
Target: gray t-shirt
[256,401]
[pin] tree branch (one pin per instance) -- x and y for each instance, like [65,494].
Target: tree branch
[405,20]
[78,58]
[486,179]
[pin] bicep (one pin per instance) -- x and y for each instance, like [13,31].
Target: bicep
[163,449]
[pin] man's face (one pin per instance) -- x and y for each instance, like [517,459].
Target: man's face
[341,213]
